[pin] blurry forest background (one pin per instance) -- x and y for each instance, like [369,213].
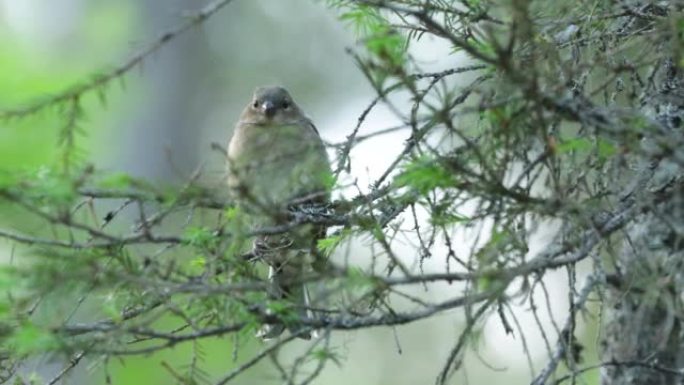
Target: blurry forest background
[159,120]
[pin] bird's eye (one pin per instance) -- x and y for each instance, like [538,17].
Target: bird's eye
[286,105]
[256,104]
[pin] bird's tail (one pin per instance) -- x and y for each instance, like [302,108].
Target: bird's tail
[285,284]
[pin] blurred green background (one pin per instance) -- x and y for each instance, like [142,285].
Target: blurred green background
[159,124]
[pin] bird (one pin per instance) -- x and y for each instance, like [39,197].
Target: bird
[278,161]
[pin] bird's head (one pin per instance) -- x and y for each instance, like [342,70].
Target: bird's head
[272,105]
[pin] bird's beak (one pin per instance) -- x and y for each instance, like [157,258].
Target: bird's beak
[268,108]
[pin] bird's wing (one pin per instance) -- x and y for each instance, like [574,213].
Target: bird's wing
[310,123]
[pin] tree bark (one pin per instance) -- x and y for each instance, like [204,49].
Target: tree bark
[643,339]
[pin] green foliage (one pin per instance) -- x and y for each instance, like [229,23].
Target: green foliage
[328,180]
[50,189]
[602,148]
[486,282]
[325,354]
[388,45]
[361,18]
[200,237]
[329,244]
[375,31]
[237,225]
[605,149]
[577,144]
[359,280]
[198,262]
[445,217]
[483,47]
[424,175]
[111,306]
[29,338]
[119,181]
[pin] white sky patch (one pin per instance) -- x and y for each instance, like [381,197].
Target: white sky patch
[370,158]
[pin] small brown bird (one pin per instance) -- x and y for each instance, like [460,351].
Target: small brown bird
[276,159]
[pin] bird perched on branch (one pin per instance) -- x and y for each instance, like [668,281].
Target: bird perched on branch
[277,164]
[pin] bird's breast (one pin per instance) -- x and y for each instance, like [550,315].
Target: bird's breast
[275,164]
